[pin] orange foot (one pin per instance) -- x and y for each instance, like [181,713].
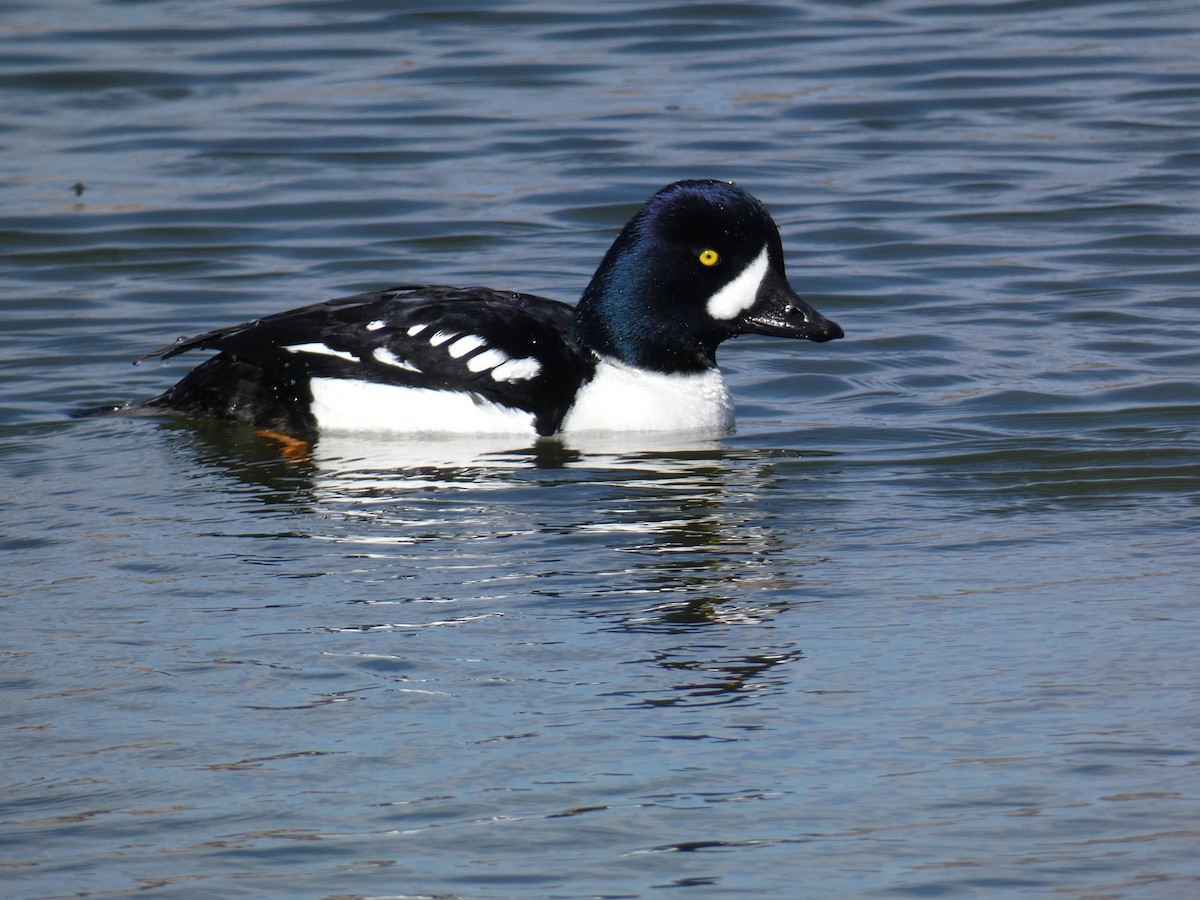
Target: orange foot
[292,449]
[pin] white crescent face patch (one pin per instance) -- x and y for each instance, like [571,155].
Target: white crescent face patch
[738,296]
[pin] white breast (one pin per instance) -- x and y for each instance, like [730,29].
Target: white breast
[621,398]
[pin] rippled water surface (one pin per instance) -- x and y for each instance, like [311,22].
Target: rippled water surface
[925,626]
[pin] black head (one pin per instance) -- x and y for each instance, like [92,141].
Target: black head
[700,262]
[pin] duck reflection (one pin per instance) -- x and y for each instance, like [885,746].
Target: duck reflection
[643,540]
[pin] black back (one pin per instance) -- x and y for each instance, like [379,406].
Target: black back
[255,379]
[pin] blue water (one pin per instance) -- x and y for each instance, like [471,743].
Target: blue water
[926,625]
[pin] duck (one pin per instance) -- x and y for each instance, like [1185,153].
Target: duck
[699,263]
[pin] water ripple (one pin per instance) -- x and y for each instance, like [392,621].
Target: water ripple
[923,625]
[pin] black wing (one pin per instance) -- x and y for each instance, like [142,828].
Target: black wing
[512,349]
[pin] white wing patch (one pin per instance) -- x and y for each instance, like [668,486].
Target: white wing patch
[414,330]
[503,366]
[488,359]
[465,345]
[440,337]
[517,369]
[386,356]
[376,325]
[738,296]
[322,350]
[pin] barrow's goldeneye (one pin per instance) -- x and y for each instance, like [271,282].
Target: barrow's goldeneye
[701,262]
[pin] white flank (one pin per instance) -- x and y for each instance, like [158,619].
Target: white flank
[488,359]
[738,296]
[376,325]
[465,345]
[414,330]
[440,337]
[622,398]
[386,356]
[343,404]
[517,369]
[322,350]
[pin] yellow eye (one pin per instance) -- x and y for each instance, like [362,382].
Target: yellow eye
[709,257]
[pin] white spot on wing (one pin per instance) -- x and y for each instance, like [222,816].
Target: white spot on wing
[414,330]
[488,359]
[517,369]
[322,350]
[386,356]
[738,296]
[465,345]
[376,325]
[440,337]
